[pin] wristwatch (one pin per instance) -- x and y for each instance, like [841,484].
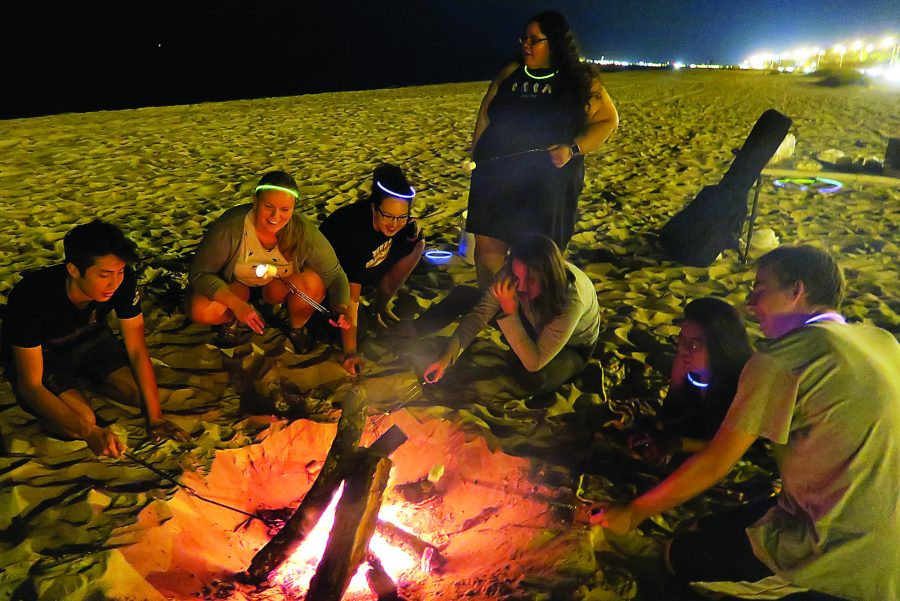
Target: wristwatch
[575,149]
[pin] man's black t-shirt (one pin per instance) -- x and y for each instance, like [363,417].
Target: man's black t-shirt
[39,312]
[364,252]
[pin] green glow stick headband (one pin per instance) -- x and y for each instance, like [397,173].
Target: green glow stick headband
[273,187]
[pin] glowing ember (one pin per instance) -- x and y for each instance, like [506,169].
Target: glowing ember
[294,575]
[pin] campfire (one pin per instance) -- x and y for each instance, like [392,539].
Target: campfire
[379,516]
[395,556]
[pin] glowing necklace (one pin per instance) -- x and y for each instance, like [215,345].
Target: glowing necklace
[696,383]
[528,73]
[830,316]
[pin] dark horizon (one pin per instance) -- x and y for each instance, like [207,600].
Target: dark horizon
[106,55]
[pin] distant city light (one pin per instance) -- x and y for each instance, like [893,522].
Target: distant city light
[873,59]
[867,56]
[606,62]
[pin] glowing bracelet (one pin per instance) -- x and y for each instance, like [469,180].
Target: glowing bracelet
[438,256]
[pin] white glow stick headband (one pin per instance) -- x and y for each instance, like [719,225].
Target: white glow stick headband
[390,192]
[279,188]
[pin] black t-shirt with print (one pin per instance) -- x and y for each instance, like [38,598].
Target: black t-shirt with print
[364,252]
[39,312]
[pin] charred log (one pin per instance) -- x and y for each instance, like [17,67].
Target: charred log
[354,523]
[301,523]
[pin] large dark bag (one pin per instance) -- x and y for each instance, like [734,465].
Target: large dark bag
[707,226]
[712,221]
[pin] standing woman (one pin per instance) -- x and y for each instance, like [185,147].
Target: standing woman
[553,105]
[267,232]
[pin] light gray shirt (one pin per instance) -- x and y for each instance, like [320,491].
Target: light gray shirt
[828,396]
[577,325]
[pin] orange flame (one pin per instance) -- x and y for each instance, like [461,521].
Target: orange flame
[294,575]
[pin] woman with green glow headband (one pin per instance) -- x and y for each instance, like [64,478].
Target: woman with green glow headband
[294,254]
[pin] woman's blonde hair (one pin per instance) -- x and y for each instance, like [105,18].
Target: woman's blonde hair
[290,237]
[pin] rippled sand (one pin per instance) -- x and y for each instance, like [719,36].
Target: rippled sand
[163,174]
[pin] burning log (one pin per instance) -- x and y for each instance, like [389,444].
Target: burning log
[428,554]
[354,523]
[298,527]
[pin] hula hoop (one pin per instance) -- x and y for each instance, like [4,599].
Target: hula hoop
[822,185]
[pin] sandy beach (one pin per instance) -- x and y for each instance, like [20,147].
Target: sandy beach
[77,527]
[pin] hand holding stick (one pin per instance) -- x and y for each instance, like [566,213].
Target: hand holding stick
[263,270]
[469,165]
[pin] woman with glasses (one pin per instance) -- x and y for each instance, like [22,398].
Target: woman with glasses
[546,308]
[538,119]
[711,351]
[377,242]
[268,248]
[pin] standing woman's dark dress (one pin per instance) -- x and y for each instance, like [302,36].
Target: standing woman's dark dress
[527,194]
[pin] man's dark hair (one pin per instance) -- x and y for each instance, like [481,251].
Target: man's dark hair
[816,268]
[85,243]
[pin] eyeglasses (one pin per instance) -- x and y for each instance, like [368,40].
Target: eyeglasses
[690,346]
[530,40]
[393,218]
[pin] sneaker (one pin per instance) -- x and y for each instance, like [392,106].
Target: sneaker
[229,335]
[301,340]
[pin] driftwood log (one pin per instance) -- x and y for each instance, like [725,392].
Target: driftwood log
[340,455]
[354,523]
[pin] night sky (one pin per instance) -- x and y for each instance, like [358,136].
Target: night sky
[88,55]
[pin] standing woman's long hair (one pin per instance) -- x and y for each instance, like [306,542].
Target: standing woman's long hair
[290,237]
[541,255]
[727,344]
[565,57]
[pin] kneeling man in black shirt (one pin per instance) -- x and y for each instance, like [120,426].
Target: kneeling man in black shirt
[376,240]
[55,335]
